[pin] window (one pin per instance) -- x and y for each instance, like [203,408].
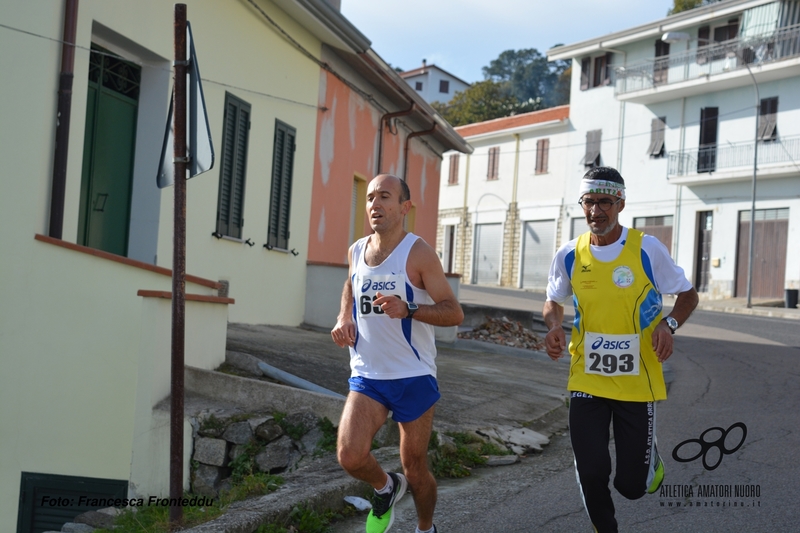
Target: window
[444,86]
[709,48]
[707,155]
[418,85]
[768,119]
[281,196]
[494,160]
[656,148]
[661,66]
[542,155]
[453,177]
[595,71]
[658,227]
[235,133]
[592,157]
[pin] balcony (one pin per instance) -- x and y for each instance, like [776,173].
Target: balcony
[734,162]
[716,67]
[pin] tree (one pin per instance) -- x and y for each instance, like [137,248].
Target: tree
[482,101]
[526,74]
[685,5]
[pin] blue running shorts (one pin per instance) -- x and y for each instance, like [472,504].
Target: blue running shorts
[407,398]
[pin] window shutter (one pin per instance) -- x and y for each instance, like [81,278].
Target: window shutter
[768,118]
[494,160]
[230,201]
[281,191]
[592,157]
[586,64]
[703,40]
[542,155]
[657,127]
[453,178]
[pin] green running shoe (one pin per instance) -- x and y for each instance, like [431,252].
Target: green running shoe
[658,475]
[381,517]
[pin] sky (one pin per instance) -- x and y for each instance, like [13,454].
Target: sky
[462,36]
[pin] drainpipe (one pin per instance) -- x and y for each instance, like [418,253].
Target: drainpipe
[405,148]
[384,120]
[63,119]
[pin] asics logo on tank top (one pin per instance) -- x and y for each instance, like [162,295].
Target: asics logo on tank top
[378,285]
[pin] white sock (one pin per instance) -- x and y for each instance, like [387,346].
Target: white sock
[431,530]
[388,487]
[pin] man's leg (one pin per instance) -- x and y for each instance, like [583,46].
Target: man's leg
[361,419]
[414,438]
[634,438]
[589,420]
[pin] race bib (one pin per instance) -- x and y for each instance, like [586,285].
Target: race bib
[611,355]
[367,288]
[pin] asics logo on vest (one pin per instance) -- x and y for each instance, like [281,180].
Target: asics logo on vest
[611,345]
[378,285]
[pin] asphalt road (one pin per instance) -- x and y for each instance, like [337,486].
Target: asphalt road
[728,369]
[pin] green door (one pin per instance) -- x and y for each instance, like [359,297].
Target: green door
[109,146]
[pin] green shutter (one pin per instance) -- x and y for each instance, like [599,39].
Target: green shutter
[230,206]
[281,193]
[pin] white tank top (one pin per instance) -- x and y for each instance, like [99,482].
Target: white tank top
[388,348]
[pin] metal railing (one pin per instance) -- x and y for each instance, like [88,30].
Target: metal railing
[731,156]
[708,60]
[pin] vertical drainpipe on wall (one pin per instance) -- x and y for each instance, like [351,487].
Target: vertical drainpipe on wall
[679,193]
[59,182]
[464,225]
[382,125]
[405,148]
[516,218]
[621,134]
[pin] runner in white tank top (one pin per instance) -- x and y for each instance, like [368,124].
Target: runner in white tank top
[395,293]
[386,348]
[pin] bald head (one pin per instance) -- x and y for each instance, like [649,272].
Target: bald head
[404,194]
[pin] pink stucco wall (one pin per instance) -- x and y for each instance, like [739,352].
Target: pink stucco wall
[347,145]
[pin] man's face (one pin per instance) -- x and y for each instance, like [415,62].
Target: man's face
[601,222]
[384,209]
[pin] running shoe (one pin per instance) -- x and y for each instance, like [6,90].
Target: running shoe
[381,517]
[658,475]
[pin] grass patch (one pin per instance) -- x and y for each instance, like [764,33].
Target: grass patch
[458,461]
[155,519]
[326,443]
[303,519]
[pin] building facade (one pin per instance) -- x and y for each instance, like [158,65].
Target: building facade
[434,84]
[681,106]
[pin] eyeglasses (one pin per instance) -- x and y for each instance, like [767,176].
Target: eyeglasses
[604,204]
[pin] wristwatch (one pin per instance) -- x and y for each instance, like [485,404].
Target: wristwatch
[412,308]
[672,324]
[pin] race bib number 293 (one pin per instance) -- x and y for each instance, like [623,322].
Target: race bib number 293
[611,355]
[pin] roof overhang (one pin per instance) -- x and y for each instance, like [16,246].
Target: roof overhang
[677,22]
[528,128]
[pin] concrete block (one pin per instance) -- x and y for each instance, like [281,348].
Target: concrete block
[210,451]
[205,479]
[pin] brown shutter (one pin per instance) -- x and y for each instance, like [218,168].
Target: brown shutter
[592,157]
[453,179]
[703,40]
[542,149]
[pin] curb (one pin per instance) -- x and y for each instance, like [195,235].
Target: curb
[769,312]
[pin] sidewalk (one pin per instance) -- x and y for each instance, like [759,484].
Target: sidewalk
[529,301]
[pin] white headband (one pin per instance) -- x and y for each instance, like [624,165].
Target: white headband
[602,187]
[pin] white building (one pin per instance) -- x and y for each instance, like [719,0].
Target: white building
[678,118]
[434,84]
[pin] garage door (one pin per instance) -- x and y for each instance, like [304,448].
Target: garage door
[488,247]
[538,247]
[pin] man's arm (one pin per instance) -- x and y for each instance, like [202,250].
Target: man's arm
[685,304]
[555,341]
[344,332]
[425,271]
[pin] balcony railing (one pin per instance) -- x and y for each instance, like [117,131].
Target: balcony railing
[732,156]
[708,60]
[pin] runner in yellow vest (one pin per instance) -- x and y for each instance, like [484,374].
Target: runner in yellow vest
[619,341]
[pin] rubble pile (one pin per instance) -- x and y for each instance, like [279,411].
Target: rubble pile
[506,332]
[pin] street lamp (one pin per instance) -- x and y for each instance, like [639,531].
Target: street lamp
[674,37]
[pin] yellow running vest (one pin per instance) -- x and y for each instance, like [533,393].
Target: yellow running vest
[616,310]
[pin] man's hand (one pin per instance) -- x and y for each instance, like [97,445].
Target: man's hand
[392,305]
[662,341]
[344,332]
[556,342]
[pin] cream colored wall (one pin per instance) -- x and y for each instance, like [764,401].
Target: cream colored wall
[85,359]
[268,286]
